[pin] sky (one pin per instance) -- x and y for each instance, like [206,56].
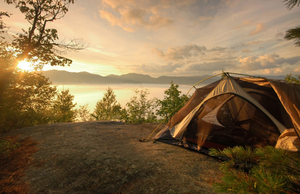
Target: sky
[176,37]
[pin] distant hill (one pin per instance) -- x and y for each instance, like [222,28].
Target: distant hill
[84,78]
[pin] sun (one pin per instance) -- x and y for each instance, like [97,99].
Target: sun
[24,65]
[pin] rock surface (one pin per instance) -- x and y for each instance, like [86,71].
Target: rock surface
[106,157]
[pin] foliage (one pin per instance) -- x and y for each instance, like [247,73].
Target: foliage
[39,43]
[108,107]
[30,99]
[293,33]
[292,78]
[6,146]
[171,103]
[27,101]
[83,114]
[63,107]
[270,170]
[139,109]
[2,24]
[291,3]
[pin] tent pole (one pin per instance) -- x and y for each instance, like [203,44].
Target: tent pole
[224,73]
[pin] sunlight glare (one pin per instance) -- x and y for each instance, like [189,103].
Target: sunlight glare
[24,65]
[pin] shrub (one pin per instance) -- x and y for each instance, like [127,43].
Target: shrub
[262,170]
[6,146]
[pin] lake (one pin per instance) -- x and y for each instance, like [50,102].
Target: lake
[90,94]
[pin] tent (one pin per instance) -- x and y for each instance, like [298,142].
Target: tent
[237,111]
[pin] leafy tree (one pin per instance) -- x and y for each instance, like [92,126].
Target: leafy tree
[108,107]
[139,109]
[291,3]
[292,78]
[27,101]
[83,114]
[38,44]
[172,101]
[263,170]
[293,33]
[26,97]
[63,107]
[2,24]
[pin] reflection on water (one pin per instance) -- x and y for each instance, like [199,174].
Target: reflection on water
[90,94]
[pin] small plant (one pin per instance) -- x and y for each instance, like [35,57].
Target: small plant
[262,170]
[6,146]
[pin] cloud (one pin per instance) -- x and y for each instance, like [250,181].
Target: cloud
[297,70]
[132,14]
[111,18]
[212,66]
[218,49]
[268,61]
[246,51]
[256,42]
[204,18]
[258,29]
[245,23]
[168,68]
[279,35]
[179,53]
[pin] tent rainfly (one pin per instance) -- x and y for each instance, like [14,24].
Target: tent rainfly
[238,111]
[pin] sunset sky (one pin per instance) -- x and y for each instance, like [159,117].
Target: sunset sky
[176,37]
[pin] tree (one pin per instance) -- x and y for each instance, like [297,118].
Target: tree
[139,109]
[27,101]
[63,107]
[108,107]
[38,44]
[172,101]
[2,24]
[291,3]
[292,78]
[83,114]
[259,170]
[293,33]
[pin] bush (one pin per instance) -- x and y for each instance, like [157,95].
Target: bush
[139,109]
[263,170]
[6,146]
[171,103]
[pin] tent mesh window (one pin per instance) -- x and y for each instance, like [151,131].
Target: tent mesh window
[274,107]
[229,120]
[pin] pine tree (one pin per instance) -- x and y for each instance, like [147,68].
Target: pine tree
[263,170]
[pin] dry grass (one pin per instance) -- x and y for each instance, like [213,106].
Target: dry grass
[13,166]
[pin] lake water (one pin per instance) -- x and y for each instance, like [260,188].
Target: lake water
[90,94]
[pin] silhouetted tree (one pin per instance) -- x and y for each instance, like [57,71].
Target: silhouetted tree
[27,101]
[291,3]
[38,44]
[293,33]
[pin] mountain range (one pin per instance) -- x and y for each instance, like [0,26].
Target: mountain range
[85,78]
